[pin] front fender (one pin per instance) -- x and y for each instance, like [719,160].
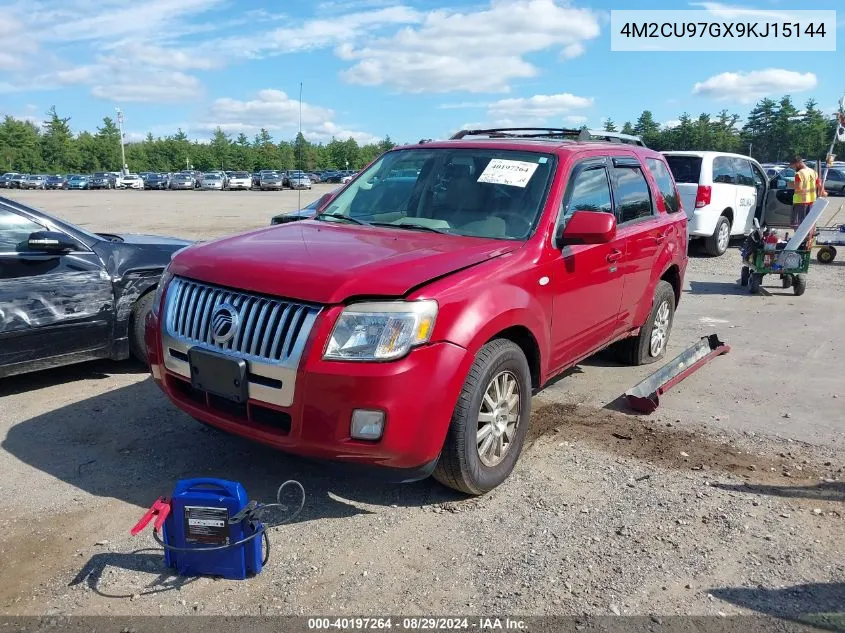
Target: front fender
[477,307]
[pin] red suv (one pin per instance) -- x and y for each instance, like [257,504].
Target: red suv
[408,324]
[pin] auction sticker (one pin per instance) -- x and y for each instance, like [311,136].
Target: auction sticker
[515,173]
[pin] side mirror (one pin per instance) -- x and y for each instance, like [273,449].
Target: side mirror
[321,202]
[50,242]
[587,227]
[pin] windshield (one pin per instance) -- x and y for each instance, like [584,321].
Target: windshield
[491,193]
[685,169]
[211,177]
[240,174]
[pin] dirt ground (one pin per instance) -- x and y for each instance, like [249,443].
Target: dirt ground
[728,500]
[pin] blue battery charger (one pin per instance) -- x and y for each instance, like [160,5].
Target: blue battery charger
[209,528]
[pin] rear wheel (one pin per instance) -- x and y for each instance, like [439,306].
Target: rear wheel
[650,344]
[786,280]
[799,285]
[489,422]
[744,275]
[755,282]
[826,254]
[717,243]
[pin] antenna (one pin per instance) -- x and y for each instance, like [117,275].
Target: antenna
[299,140]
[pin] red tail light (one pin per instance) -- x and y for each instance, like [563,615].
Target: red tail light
[702,196]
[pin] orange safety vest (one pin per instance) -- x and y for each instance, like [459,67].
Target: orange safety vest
[806,180]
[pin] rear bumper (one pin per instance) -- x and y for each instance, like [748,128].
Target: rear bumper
[702,222]
[417,394]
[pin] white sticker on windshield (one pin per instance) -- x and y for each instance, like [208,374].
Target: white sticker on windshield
[515,173]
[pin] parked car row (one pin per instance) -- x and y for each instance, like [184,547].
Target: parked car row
[265,180]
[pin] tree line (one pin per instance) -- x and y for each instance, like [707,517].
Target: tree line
[773,131]
[54,148]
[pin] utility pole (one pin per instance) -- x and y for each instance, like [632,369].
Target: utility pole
[122,150]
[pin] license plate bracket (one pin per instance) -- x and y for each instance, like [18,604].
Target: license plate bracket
[218,374]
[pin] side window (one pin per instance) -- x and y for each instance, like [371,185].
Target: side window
[665,184]
[724,171]
[744,175]
[590,192]
[14,231]
[633,196]
[835,175]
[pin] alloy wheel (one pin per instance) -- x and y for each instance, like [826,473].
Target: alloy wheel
[498,418]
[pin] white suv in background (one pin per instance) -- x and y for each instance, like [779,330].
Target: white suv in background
[721,194]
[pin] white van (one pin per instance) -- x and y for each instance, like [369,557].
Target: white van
[721,194]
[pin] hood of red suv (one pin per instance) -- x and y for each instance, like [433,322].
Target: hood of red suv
[324,263]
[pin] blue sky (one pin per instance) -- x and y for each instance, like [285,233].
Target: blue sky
[413,69]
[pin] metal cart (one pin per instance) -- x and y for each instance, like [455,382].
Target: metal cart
[792,266]
[828,238]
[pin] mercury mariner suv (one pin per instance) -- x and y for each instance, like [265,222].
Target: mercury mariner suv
[408,323]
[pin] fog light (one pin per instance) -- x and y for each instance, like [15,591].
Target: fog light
[367,424]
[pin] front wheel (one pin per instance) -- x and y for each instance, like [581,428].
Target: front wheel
[744,276]
[799,285]
[755,283]
[489,422]
[137,346]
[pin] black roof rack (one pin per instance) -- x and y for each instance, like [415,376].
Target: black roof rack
[568,134]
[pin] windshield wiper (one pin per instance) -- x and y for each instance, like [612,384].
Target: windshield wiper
[340,216]
[410,226]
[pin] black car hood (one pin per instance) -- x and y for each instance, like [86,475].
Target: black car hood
[137,238]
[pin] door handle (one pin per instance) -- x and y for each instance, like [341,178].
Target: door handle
[614,256]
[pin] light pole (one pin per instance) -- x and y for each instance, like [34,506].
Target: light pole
[120,129]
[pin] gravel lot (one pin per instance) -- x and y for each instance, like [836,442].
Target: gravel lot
[728,500]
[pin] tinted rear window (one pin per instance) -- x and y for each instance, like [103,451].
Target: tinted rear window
[633,197]
[685,169]
[664,182]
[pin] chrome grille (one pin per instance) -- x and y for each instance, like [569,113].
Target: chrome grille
[270,329]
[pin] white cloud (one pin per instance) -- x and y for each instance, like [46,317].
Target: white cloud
[751,86]
[673,123]
[732,12]
[573,50]
[148,54]
[315,34]
[276,112]
[463,105]
[110,20]
[153,87]
[481,51]
[575,120]
[538,110]
[15,44]
[538,106]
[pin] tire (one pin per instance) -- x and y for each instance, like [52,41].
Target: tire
[460,465]
[142,307]
[717,244]
[755,282]
[786,280]
[826,255]
[638,350]
[799,284]
[744,275]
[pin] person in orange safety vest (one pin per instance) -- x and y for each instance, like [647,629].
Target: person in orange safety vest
[806,190]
